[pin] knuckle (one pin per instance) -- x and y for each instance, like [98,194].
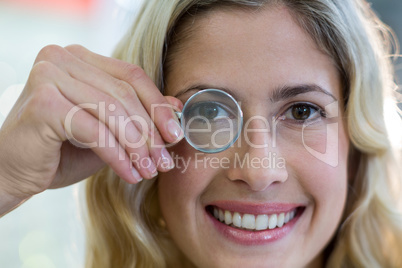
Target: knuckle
[144,128]
[114,109]
[42,101]
[117,110]
[134,72]
[42,69]
[97,128]
[123,90]
[45,95]
[50,51]
[134,141]
[75,49]
[112,104]
[41,75]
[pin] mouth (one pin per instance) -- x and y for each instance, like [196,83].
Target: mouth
[254,225]
[252,222]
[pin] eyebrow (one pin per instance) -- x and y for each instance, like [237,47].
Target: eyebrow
[206,86]
[287,92]
[279,94]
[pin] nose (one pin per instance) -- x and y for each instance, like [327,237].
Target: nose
[258,162]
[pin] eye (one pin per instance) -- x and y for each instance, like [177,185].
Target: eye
[303,111]
[209,110]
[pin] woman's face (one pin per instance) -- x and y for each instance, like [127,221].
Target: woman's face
[281,188]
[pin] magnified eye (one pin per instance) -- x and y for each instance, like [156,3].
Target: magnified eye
[212,120]
[210,110]
[303,112]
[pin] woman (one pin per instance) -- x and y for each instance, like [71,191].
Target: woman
[310,77]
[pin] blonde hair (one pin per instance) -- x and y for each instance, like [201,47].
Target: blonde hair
[124,228]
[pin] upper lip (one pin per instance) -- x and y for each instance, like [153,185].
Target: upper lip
[256,208]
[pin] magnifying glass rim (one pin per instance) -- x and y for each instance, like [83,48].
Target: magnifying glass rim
[240,119]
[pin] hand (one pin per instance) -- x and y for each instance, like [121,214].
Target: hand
[36,140]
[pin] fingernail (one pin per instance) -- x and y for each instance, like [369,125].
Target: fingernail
[167,159]
[152,168]
[174,129]
[136,175]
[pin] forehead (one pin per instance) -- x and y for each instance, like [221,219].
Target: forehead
[237,45]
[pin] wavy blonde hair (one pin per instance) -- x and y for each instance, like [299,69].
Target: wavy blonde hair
[124,229]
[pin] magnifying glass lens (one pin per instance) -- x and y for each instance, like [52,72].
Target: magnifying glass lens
[211,120]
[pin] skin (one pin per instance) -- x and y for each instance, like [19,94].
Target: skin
[39,149]
[252,54]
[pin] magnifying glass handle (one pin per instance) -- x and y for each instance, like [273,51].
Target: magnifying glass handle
[178,114]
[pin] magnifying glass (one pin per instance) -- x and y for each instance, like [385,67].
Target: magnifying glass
[211,120]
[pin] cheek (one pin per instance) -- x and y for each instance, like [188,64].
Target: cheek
[320,167]
[317,156]
[327,185]
[181,188]
[325,179]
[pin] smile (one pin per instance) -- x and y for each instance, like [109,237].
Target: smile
[253,222]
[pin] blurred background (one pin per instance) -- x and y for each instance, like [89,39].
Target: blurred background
[48,231]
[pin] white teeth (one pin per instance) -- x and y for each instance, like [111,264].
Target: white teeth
[216,213]
[253,222]
[248,221]
[273,219]
[281,220]
[237,219]
[221,215]
[292,215]
[261,223]
[287,217]
[228,217]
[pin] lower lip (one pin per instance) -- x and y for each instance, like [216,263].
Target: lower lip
[249,238]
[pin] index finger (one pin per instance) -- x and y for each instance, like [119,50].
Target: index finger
[158,108]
